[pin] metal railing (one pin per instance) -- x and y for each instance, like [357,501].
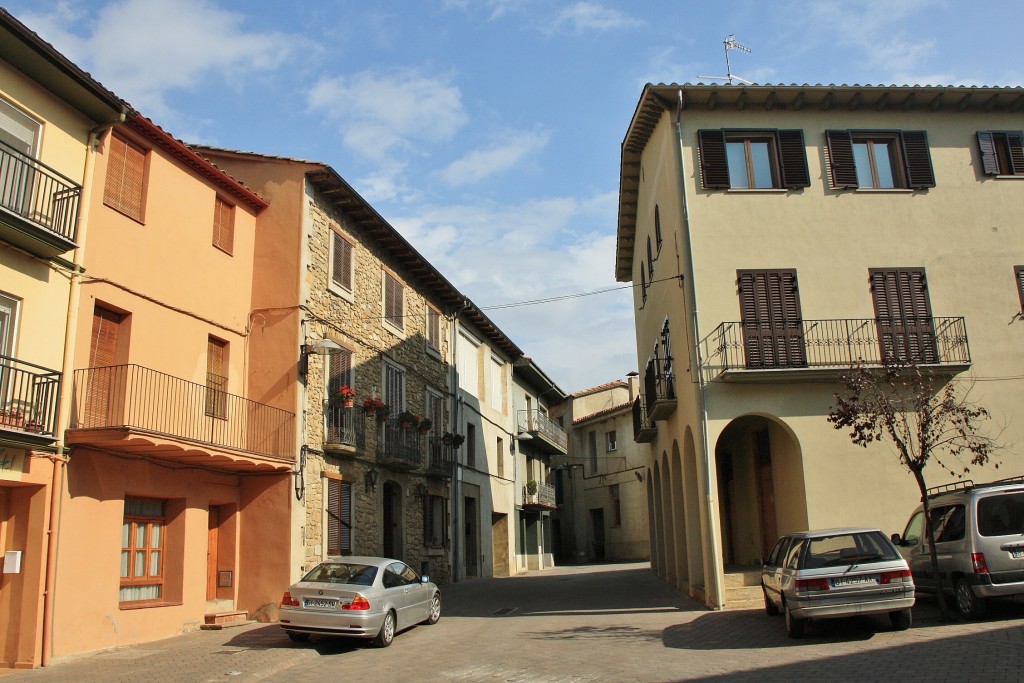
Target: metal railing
[835,343]
[37,193]
[545,495]
[658,381]
[398,445]
[29,395]
[440,456]
[536,422]
[644,428]
[345,426]
[141,398]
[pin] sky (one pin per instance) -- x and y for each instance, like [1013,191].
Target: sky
[488,132]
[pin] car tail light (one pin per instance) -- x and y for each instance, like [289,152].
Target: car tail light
[812,584]
[358,603]
[978,560]
[897,576]
[288,600]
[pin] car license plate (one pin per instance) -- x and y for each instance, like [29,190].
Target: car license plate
[853,580]
[1017,553]
[320,603]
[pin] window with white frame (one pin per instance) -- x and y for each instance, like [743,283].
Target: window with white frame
[611,440]
[8,319]
[468,364]
[497,383]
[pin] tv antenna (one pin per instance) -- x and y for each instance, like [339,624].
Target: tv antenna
[730,44]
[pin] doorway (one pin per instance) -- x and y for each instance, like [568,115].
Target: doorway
[499,542]
[392,527]
[597,533]
[471,544]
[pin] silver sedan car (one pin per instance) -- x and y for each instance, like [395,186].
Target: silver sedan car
[836,573]
[359,597]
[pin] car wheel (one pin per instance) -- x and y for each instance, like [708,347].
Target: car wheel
[794,625]
[969,605]
[435,610]
[387,631]
[902,619]
[770,608]
[298,637]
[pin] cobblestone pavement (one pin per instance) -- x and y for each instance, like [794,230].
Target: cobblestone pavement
[613,622]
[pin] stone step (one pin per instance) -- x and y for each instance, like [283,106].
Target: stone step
[743,597]
[218,620]
[740,578]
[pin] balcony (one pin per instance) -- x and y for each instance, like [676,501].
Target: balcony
[140,411]
[399,447]
[440,458]
[38,205]
[345,429]
[644,430]
[659,389]
[756,350]
[543,498]
[548,437]
[28,401]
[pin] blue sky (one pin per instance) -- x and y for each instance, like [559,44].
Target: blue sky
[488,131]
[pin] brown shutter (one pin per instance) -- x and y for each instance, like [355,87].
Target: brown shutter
[333,517]
[341,262]
[918,159]
[125,178]
[714,163]
[216,377]
[1015,141]
[903,315]
[223,225]
[339,372]
[989,160]
[106,326]
[840,156]
[771,318]
[393,301]
[346,517]
[1018,274]
[793,159]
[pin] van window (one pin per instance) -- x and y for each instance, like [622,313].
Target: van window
[793,554]
[949,523]
[1001,515]
[915,529]
[778,552]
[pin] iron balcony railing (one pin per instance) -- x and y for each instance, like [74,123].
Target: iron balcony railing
[399,446]
[440,457]
[136,397]
[37,193]
[837,343]
[28,396]
[345,426]
[644,429]
[544,496]
[536,422]
[658,381]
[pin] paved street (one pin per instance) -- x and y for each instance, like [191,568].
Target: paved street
[592,623]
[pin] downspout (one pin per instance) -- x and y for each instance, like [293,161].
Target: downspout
[454,379]
[66,386]
[710,500]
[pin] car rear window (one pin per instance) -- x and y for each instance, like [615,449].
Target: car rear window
[342,572]
[845,549]
[1001,514]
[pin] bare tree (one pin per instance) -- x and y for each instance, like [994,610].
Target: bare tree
[923,417]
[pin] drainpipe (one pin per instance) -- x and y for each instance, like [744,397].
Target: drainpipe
[710,502]
[66,385]
[454,381]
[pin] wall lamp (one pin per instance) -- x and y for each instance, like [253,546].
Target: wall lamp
[324,347]
[371,479]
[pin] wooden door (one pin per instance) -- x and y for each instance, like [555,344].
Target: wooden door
[212,543]
[771,319]
[903,314]
[106,329]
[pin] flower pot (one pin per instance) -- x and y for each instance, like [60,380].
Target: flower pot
[347,402]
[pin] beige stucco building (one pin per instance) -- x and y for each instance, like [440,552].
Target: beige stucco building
[776,234]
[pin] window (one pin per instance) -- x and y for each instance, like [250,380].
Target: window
[657,227]
[643,284]
[1018,274]
[216,377]
[499,449]
[394,305]
[435,526]
[18,130]
[1001,514]
[394,387]
[949,523]
[880,159]
[650,259]
[611,440]
[666,349]
[8,318]
[223,225]
[467,362]
[616,504]
[339,515]
[341,262]
[592,450]
[915,529]
[20,133]
[142,550]
[435,412]
[470,445]
[771,319]
[433,328]
[497,383]
[339,373]
[760,159]
[1002,152]
[101,399]
[903,315]
[125,181]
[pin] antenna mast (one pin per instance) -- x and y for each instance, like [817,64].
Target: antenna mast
[730,44]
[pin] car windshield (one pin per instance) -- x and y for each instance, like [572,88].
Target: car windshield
[1001,515]
[845,549]
[342,572]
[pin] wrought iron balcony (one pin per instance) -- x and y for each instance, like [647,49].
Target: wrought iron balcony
[440,457]
[143,401]
[398,446]
[644,430]
[548,436]
[543,498]
[346,427]
[659,388]
[38,205]
[834,344]
[28,398]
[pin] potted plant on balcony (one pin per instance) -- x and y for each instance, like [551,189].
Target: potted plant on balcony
[372,404]
[531,487]
[425,425]
[457,440]
[348,396]
[407,419]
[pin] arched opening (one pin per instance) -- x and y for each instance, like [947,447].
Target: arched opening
[679,521]
[760,487]
[658,563]
[671,571]
[691,499]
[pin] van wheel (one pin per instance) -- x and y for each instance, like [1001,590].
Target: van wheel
[902,619]
[794,625]
[770,608]
[969,605]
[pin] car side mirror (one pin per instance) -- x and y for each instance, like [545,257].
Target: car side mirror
[896,540]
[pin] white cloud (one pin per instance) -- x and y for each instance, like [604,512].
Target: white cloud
[584,17]
[481,163]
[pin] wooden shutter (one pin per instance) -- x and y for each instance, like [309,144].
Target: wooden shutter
[1015,141]
[903,315]
[339,372]
[433,328]
[771,318]
[918,159]
[989,159]
[125,177]
[1018,274]
[223,225]
[106,327]
[714,163]
[840,156]
[216,377]
[793,159]
[341,262]
[393,301]
[339,517]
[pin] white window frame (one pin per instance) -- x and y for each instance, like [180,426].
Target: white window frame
[9,337]
[467,359]
[497,383]
[611,440]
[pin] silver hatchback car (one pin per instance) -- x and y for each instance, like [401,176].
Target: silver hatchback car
[836,573]
[359,597]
